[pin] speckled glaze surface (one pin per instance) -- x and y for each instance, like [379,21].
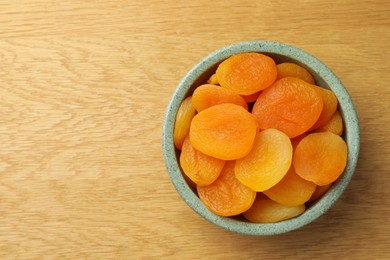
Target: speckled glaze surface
[280,53]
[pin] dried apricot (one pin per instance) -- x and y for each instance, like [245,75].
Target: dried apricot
[264,210]
[251,98]
[295,141]
[330,107]
[320,190]
[288,69]
[291,105]
[320,157]
[226,196]
[292,190]
[335,125]
[183,121]
[224,131]
[200,168]
[208,95]
[189,181]
[267,162]
[247,73]
[213,79]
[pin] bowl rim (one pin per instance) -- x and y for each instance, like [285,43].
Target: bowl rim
[351,134]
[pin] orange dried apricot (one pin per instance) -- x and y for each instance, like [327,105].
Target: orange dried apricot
[288,69]
[208,95]
[335,125]
[264,210]
[320,190]
[247,73]
[251,98]
[320,157]
[330,107]
[224,131]
[227,196]
[267,162]
[295,141]
[213,80]
[291,105]
[183,121]
[200,168]
[292,190]
[188,180]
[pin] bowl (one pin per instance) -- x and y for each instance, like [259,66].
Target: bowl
[280,53]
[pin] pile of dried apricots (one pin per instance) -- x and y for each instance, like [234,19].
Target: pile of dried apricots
[260,139]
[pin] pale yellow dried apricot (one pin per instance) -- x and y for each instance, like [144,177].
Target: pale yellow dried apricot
[268,161]
[265,210]
[292,190]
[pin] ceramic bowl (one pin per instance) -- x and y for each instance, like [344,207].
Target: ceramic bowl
[280,53]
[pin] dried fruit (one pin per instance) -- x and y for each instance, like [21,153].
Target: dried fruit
[251,98]
[227,196]
[213,80]
[225,131]
[265,210]
[267,162]
[291,105]
[288,69]
[183,120]
[292,190]
[247,73]
[320,190]
[200,168]
[208,95]
[335,125]
[295,141]
[320,157]
[330,106]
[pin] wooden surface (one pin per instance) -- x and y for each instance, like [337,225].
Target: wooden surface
[83,91]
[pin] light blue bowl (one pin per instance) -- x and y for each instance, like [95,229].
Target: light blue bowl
[280,53]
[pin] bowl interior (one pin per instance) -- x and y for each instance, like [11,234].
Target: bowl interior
[280,53]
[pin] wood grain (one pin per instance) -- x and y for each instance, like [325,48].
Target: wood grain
[83,91]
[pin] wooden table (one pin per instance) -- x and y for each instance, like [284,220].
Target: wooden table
[83,91]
